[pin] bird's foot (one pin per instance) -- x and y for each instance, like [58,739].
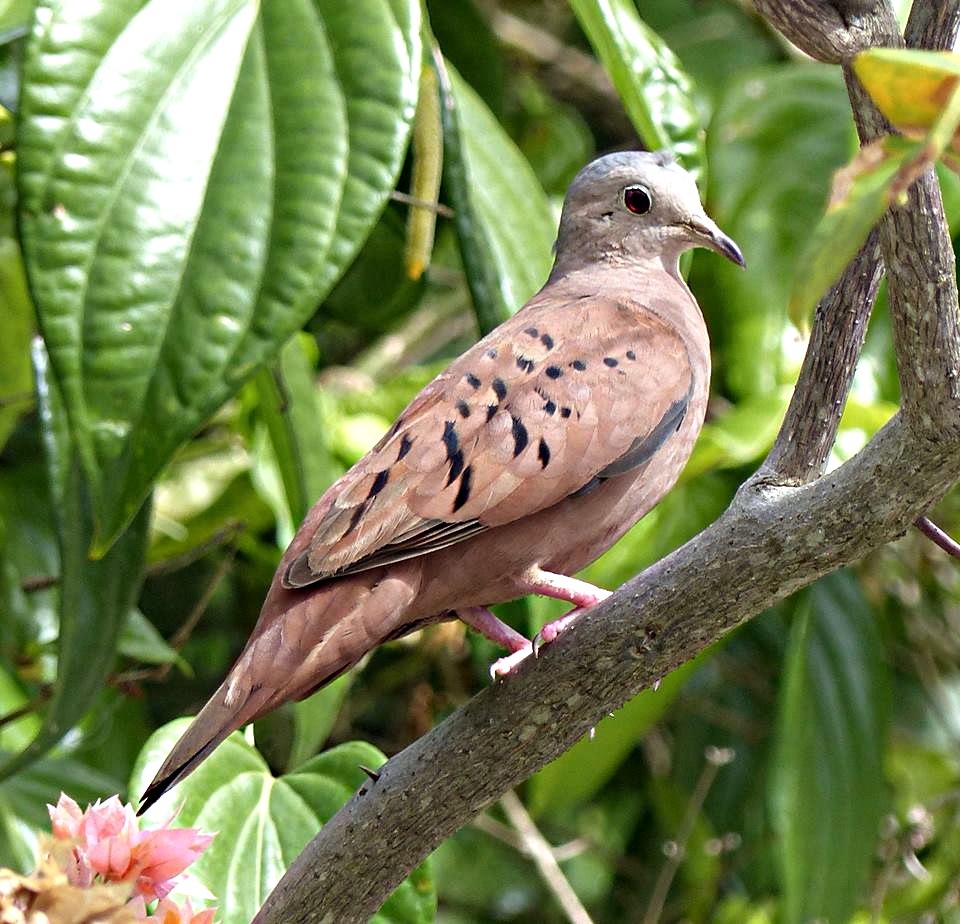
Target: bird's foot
[503,666]
[484,622]
[581,594]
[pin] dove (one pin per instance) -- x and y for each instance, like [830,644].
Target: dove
[528,457]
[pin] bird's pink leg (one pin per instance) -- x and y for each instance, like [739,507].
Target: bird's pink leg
[561,587]
[484,622]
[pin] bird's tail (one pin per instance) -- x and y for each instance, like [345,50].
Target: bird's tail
[212,724]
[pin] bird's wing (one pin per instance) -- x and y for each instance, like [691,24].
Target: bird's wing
[555,399]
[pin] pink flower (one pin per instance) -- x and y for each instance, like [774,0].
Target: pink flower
[168,912]
[65,818]
[162,855]
[108,843]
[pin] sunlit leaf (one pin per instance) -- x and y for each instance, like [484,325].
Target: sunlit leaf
[159,288]
[263,822]
[911,87]
[94,596]
[862,192]
[16,378]
[775,140]
[504,222]
[656,93]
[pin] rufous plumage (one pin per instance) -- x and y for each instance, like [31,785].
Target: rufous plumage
[528,457]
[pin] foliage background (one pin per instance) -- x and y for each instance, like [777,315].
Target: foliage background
[806,766]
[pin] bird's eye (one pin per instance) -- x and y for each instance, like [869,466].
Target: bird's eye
[637,199]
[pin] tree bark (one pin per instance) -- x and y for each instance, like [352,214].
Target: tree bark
[787,526]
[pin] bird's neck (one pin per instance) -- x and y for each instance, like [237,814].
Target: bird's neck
[652,284]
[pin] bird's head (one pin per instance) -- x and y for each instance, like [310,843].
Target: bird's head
[633,206]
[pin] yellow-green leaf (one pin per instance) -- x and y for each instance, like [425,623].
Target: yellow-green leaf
[861,193]
[911,88]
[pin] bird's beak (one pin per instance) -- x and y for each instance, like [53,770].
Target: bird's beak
[711,236]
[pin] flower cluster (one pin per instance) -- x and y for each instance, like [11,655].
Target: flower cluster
[108,846]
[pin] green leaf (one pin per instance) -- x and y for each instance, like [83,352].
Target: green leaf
[24,799]
[576,776]
[240,157]
[263,822]
[95,596]
[862,193]
[503,219]
[909,86]
[140,640]
[14,15]
[313,719]
[16,378]
[827,790]
[656,93]
[297,426]
[775,140]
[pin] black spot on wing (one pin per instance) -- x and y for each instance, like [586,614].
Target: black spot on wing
[524,364]
[405,444]
[499,389]
[463,408]
[554,372]
[463,492]
[454,453]
[579,365]
[565,412]
[547,341]
[610,361]
[631,355]
[472,380]
[379,483]
[532,332]
[550,407]
[543,453]
[357,515]
[520,438]
[491,410]
[492,352]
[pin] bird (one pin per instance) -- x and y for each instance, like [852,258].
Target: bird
[517,466]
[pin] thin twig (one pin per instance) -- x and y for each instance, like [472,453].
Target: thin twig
[182,635]
[444,211]
[226,534]
[542,855]
[716,758]
[30,585]
[938,536]
[44,694]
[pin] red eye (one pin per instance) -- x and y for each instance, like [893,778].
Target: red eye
[637,200]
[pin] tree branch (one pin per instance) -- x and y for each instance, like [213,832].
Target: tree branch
[933,24]
[774,539]
[810,425]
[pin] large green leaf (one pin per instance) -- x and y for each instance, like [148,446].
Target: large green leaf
[297,425]
[775,140]
[263,822]
[16,379]
[656,93]
[194,177]
[504,222]
[827,789]
[95,597]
